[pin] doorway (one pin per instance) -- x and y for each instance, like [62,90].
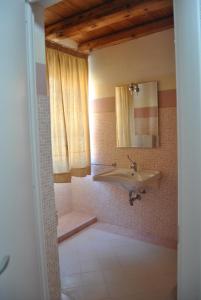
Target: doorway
[194,24]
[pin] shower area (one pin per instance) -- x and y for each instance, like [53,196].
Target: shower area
[68,89]
[70,220]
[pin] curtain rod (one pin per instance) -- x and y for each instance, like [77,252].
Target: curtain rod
[53,45]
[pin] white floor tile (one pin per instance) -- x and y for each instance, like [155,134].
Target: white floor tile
[71,281]
[75,293]
[69,269]
[94,292]
[99,265]
[92,278]
[90,265]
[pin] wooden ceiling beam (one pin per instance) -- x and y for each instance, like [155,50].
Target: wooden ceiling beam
[69,51]
[127,34]
[103,15]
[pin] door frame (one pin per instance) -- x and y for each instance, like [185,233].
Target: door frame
[187,17]
[34,139]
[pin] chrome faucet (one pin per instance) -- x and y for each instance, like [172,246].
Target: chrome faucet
[133,164]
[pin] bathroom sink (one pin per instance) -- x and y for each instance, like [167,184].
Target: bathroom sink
[129,180]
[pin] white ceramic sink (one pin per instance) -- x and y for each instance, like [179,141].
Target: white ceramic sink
[127,180]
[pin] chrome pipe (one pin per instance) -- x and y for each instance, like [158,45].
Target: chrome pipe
[105,165]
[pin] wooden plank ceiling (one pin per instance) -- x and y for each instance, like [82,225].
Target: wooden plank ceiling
[96,24]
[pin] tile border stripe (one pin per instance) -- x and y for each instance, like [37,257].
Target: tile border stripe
[101,105]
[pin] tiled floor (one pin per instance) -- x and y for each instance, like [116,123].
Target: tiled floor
[98,265]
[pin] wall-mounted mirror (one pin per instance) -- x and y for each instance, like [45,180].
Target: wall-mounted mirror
[137,115]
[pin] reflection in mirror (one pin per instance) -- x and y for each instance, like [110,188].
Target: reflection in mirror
[137,115]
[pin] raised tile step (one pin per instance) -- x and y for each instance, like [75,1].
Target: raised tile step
[72,223]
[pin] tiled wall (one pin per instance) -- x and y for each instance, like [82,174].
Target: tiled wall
[63,198]
[46,185]
[46,176]
[155,216]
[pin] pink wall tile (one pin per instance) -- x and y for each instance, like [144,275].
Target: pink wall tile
[166,98]
[156,214]
[41,82]
[47,194]
[63,198]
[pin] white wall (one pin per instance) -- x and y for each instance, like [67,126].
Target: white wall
[145,59]
[188,58]
[22,278]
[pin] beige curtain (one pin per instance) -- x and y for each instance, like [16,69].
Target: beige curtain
[68,90]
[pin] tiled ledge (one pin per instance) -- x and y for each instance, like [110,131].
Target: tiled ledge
[72,223]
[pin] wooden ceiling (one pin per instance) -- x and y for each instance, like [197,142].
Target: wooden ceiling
[96,24]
